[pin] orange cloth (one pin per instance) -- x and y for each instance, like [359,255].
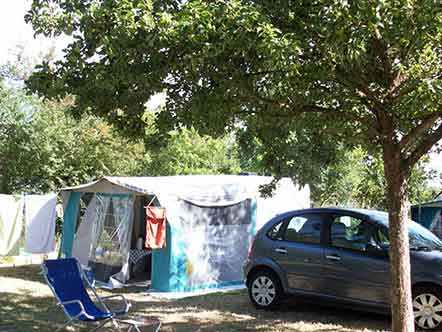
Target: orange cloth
[155,227]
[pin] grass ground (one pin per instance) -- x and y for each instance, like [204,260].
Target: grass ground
[26,305]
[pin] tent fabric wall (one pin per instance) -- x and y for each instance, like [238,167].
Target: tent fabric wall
[162,278]
[185,263]
[178,266]
[171,266]
[424,215]
[286,197]
[69,223]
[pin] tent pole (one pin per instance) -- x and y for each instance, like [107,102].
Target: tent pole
[419,214]
[151,201]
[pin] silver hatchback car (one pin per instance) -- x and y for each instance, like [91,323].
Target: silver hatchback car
[341,255]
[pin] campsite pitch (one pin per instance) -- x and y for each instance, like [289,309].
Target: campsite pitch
[27,305]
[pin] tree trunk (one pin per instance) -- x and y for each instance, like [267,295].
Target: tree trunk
[401,298]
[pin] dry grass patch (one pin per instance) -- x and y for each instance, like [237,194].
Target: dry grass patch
[26,305]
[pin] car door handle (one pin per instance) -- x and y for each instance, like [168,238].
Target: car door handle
[333,257]
[281,250]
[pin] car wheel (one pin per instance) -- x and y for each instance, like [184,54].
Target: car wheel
[265,290]
[427,307]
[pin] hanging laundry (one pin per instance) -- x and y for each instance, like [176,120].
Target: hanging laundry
[40,214]
[155,227]
[11,223]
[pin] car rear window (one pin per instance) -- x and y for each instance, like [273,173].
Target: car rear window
[275,232]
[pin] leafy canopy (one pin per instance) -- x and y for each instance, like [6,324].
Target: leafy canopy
[365,72]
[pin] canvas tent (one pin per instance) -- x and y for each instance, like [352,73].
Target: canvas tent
[429,215]
[210,224]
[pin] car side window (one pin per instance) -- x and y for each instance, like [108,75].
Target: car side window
[275,232]
[304,228]
[350,233]
[381,238]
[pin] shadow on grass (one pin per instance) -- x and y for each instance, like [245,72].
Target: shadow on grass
[233,312]
[25,313]
[24,272]
[29,311]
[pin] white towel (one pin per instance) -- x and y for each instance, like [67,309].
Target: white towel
[40,214]
[11,222]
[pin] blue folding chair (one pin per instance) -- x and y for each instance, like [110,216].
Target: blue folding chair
[67,282]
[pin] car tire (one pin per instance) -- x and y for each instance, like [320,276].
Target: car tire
[427,307]
[265,290]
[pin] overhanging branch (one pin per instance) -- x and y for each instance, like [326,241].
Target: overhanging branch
[427,123]
[424,147]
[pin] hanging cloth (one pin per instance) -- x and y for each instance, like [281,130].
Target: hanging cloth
[11,223]
[155,227]
[83,238]
[40,215]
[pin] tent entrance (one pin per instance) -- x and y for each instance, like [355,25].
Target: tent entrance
[140,257]
[109,239]
[141,271]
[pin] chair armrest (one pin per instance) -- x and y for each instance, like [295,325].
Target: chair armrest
[127,304]
[136,324]
[78,302]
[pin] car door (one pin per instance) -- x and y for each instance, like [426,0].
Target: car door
[354,266]
[299,252]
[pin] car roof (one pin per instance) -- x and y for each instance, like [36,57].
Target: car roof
[379,217]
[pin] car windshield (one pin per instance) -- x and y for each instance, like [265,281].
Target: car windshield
[420,238]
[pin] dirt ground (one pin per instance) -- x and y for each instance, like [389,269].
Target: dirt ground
[26,305]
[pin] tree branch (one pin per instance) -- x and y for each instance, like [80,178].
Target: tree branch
[426,144]
[382,52]
[254,97]
[426,124]
[289,111]
[400,92]
[350,81]
[266,72]
[396,85]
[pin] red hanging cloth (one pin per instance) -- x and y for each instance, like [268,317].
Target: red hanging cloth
[155,227]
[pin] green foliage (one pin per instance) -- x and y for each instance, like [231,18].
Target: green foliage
[42,148]
[15,133]
[75,151]
[187,152]
[338,183]
[352,177]
[358,180]
[323,74]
